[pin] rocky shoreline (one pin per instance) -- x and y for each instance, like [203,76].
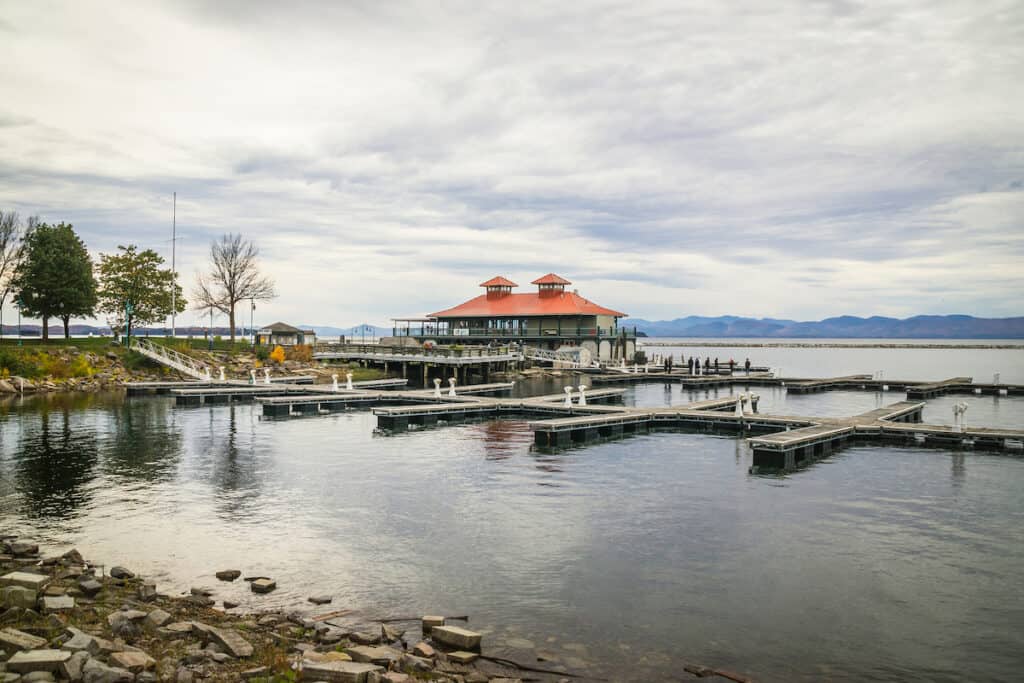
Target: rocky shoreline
[64,619]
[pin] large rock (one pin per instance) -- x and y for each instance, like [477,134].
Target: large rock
[228,574]
[13,639]
[121,573]
[89,586]
[156,619]
[429,622]
[73,667]
[135,662]
[29,580]
[125,615]
[96,671]
[28,661]
[18,596]
[461,657]
[81,641]
[19,549]
[147,591]
[337,672]
[453,636]
[234,644]
[380,655]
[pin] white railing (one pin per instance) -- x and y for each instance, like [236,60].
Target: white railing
[577,357]
[171,358]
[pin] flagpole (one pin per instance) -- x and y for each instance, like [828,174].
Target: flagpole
[174,273]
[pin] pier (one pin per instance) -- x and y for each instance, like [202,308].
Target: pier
[415,362]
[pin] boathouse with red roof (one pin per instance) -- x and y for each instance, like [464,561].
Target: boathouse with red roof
[549,317]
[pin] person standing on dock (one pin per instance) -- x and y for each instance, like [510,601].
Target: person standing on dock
[732,365]
[689,365]
[716,365]
[746,365]
[707,364]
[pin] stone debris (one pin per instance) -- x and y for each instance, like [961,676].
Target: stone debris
[424,650]
[28,580]
[135,662]
[460,657]
[321,599]
[27,661]
[381,655]
[89,586]
[262,585]
[60,603]
[234,644]
[147,591]
[337,672]
[454,636]
[156,619]
[13,639]
[121,573]
[18,596]
[81,641]
[429,622]
[228,574]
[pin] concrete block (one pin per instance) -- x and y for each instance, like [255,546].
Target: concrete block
[461,657]
[28,661]
[453,636]
[29,580]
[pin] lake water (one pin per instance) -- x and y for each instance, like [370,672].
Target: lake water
[621,559]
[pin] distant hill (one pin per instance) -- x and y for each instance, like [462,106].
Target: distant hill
[845,327]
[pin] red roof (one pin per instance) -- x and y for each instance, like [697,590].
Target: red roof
[524,305]
[551,279]
[498,282]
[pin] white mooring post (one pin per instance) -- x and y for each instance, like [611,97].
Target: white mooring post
[995,378]
[739,405]
[451,386]
[348,381]
[751,397]
[583,395]
[334,383]
[647,368]
[222,378]
[437,388]
[252,376]
[568,397]
[209,377]
[266,375]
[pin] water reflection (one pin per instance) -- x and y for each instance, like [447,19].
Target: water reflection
[144,441]
[54,462]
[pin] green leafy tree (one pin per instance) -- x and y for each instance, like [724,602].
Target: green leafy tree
[136,278]
[55,278]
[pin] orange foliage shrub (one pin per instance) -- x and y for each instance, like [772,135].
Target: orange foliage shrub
[301,352]
[277,355]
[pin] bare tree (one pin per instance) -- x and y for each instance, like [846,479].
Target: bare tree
[11,252]
[234,276]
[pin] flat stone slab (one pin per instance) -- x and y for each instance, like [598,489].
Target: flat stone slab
[13,639]
[58,603]
[90,586]
[428,622]
[25,580]
[228,574]
[380,655]
[454,636]
[236,645]
[320,599]
[461,657]
[28,661]
[337,672]
[136,662]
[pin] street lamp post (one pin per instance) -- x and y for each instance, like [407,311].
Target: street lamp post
[209,344]
[128,322]
[252,324]
[17,302]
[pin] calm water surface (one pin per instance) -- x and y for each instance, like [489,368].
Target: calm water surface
[620,559]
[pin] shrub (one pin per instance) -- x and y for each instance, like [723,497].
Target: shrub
[301,352]
[640,357]
[277,355]
[262,353]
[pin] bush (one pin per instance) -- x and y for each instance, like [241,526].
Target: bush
[262,353]
[277,355]
[640,357]
[301,352]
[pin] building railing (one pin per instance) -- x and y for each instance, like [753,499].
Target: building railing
[468,351]
[515,333]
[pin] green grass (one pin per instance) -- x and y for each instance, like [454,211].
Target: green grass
[200,344]
[84,343]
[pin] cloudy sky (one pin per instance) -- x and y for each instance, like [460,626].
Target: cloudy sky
[787,159]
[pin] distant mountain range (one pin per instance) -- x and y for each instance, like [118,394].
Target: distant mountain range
[842,327]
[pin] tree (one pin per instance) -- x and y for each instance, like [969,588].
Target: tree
[136,278]
[55,276]
[233,277]
[10,254]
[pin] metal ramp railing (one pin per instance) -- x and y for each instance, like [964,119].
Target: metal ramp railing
[186,365]
[577,357]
